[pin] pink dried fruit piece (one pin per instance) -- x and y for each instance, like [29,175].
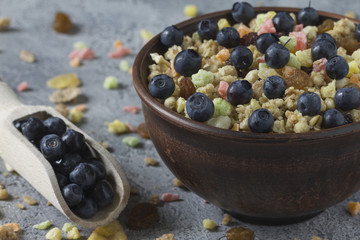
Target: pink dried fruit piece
[169,197]
[120,52]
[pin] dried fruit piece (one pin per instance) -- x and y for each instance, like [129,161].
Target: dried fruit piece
[295,77]
[169,197]
[4,194]
[110,82]
[82,54]
[223,54]
[75,115]
[155,200]
[117,127]
[81,107]
[14,226]
[53,234]
[75,62]
[65,95]
[131,109]
[131,141]
[143,215]
[151,161]
[64,81]
[80,45]
[349,43]
[117,43]
[4,23]
[187,88]
[243,30]
[190,10]
[120,52]
[111,231]
[124,66]
[226,220]
[142,131]
[248,39]
[23,86]
[209,224]
[29,200]
[146,35]
[168,236]
[20,206]
[7,233]
[327,25]
[353,208]
[43,225]
[62,23]
[73,233]
[240,233]
[27,56]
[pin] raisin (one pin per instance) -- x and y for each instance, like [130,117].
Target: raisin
[62,23]
[142,131]
[295,77]
[349,43]
[348,117]
[248,39]
[143,215]
[327,25]
[308,70]
[240,233]
[242,72]
[186,88]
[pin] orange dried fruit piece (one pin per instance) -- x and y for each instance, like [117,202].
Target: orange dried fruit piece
[295,77]
[64,81]
[353,208]
[111,231]
[354,80]
[143,215]
[62,23]
[223,54]
[243,30]
[240,233]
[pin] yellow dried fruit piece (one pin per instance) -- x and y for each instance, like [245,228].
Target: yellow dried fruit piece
[67,227]
[209,224]
[222,23]
[29,200]
[353,68]
[73,233]
[4,194]
[353,208]
[151,161]
[65,95]
[75,115]
[117,127]
[168,236]
[226,220]
[27,56]
[64,81]
[7,233]
[111,231]
[54,234]
[146,35]
[43,225]
[190,10]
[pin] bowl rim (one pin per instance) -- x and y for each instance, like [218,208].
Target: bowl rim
[202,128]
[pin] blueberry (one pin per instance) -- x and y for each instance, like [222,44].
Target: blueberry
[83,175]
[325,36]
[242,12]
[274,87]
[207,29]
[67,163]
[199,107]
[347,98]
[62,180]
[73,194]
[239,92]
[161,86]
[241,57]
[98,167]
[187,62]
[283,22]
[264,41]
[308,17]
[172,36]
[337,67]
[309,104]
[333,118]
[18,124]
[357,32]
[55,125]
[52,147]
[323,48]
[87,208]
[73,140]
[102,193]
[261,121]
[277,56]
[87,152]
[228,37]
[33,129]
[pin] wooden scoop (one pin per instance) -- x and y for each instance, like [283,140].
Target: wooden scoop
[28,161]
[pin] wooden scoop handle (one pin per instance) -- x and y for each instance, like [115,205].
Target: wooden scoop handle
[8,98]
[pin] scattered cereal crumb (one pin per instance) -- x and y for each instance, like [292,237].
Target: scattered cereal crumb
[131,109]
[155,200]
[62,109]
[131,141]
[27,56]
[63,81]
[131,127]
[168,236]
[142,131]
[130,71]
[7,233]
[20,206]
[240,233]
[4,23]
[190,10]
[104,144]
[112,230]
[75,115]
[169,197]
[23,86]
[65,95]
[54,234]
[353,208]
[350,14]
[226,220]
[117,43]
[29,200]
[317,238]
[133,191]
[120,52]
[81,107]
[75,62]
[48,203]
[124,66]
[145,35]
[151,161]
[14,226]
[4,194]
[82,54]
[209,224]
[6,174]
[178,183]
[110,82]
[73,233]
[80,45]
[117,127]
[43,225]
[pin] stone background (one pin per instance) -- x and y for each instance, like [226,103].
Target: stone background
[99,23]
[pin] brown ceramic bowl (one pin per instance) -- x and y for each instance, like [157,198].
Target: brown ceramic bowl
[266,178]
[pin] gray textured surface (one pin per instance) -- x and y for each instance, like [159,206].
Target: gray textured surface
[99,24]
